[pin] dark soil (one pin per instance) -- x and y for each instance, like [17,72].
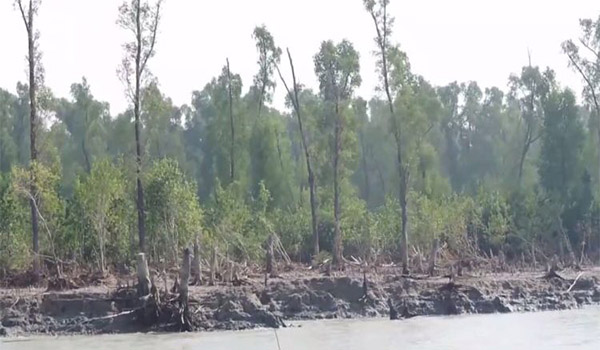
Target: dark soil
[295,295]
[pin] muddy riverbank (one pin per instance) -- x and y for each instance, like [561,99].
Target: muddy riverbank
[296,296]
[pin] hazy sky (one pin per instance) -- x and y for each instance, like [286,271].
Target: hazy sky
[446,40]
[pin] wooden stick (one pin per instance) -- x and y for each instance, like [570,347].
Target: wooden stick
[573,285]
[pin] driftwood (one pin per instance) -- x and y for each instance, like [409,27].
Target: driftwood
[552,270]
[575,282]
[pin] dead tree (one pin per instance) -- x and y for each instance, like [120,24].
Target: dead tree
[184,309]
[196,268]
[28,13]
[269,253]
[213,267]
[294,98]
[140,19]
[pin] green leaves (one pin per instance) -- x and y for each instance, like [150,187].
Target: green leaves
[338,69]
[173,211]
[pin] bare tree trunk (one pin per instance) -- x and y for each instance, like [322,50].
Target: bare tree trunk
[86,156]
[232,127]
[337,238]
[269,253]
[403,206]
[184,277]
[523,155]
[184,310]
[143,275]
[213,266]
[101,243]
[367,192]
[28,14]
[138,143]
[311,176]
[196,268]
[435,246]
[403,174]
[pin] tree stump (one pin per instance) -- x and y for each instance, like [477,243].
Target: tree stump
[143,274]
[213,267]
[393,311]
[184,311]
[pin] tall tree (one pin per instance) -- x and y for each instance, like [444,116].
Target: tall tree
[338,70]
[142,19]
[269,56]
[530,89]
[588,66]
[231,125]
[36,75]
[378,9]
[562,142]
[293,96]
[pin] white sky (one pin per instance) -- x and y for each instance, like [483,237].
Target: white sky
[482,40]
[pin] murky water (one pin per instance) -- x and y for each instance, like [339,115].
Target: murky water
[579,329]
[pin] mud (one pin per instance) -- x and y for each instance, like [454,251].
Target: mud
[295,296]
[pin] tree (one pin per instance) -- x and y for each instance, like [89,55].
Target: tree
[562,143]
[587,64]
[390,62]
[529,90]
[561,167]
[293,97]
[8,120]
[36,78]
[174,211]
[269,56]
[162,126]
[99,192]
[141,19]
[85,121]
[338,70]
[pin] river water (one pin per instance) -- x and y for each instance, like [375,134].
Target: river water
[576,329]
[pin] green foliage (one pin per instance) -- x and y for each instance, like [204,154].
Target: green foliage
[14,234]
[481,169]
[173,210]
[101,198]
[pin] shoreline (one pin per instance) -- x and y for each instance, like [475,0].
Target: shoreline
[296,296]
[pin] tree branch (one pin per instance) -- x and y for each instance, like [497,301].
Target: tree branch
[19,2]
[587,80]
[153,40]
[589,48]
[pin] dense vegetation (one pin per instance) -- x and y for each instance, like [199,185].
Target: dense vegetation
[481,171]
